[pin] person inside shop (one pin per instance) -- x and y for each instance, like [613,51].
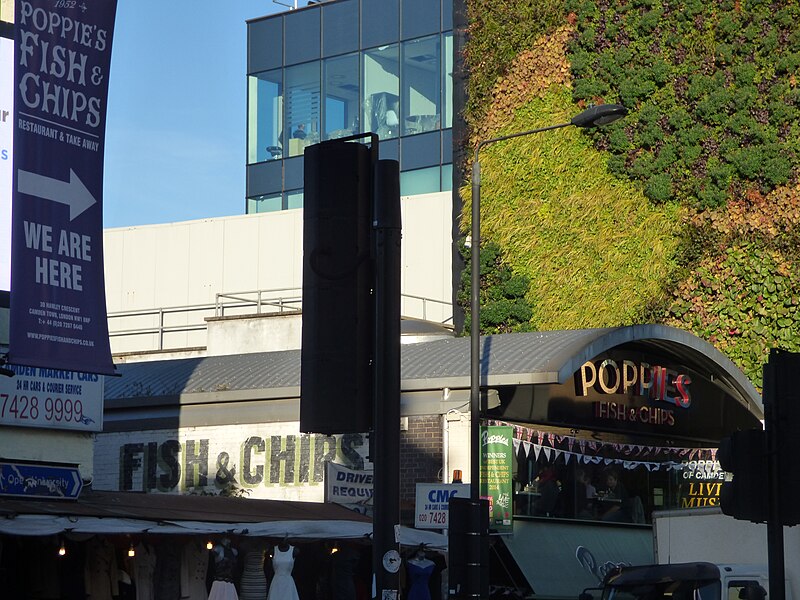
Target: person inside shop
[587,491]
[580,495]
[613,498]
[300,132]
[549,490]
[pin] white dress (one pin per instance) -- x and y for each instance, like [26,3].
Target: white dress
[282,586]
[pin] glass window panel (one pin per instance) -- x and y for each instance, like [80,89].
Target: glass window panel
[302,31]
[421,83]
[264,44]
[302,107]
[447,15]
[447,178]
[381,91]
[264,178]
[294,199]
[340,27]
[420,151]
[420,17]
[340,89]
[264,118]
[447,86]
[389,149]
[293,171]
[421,181]
[262,204]
[447,146]
[380,22]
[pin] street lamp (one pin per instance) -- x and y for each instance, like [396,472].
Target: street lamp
[591,117]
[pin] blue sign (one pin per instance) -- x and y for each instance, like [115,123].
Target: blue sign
[40,481]
[62,57]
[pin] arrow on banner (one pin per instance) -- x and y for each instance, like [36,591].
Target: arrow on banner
[72,193]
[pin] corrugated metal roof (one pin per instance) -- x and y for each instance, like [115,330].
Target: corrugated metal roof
[507,359]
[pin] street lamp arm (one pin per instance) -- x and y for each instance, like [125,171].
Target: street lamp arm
[483,143]
[593,116]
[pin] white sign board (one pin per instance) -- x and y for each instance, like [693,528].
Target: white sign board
[348,486]
[6,127]
[51,399]
[432,505]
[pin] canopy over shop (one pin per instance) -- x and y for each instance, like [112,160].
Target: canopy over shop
[123,545]
[125,513]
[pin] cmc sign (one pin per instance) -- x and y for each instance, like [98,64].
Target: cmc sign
[432,505]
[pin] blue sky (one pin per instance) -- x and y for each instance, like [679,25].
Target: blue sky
[175,132]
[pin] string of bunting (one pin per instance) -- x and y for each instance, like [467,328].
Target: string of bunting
[628,456]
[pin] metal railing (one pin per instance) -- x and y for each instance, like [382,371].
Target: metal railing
[161,322]
[280,301]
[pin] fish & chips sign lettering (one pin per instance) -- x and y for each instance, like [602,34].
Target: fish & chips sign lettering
[63,96]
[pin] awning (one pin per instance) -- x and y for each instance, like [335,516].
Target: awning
[97,512]
[560,560]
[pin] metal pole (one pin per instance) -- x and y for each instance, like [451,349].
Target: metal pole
[475,333]
[775,554]
[386,424]
[588,118]
[476,408]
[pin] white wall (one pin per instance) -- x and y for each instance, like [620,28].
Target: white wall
[49,445]
[7,10]
[188,263]
[290,463]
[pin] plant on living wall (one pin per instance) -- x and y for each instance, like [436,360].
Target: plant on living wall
[498,33]
[595,250]
[713,89]
[712,141]
[502,293]
[743,296]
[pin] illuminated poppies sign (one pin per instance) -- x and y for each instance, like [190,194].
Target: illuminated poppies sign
[661,387]
[639,379]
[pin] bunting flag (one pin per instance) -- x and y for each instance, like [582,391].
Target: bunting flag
[594,452]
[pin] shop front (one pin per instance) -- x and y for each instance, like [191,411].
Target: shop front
[611,426]
[150,546]
[606,426]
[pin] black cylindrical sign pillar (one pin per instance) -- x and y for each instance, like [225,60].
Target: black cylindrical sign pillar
[386,422]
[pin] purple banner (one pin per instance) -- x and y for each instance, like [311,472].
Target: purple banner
[58,306]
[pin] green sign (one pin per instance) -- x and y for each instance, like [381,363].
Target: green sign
[497,454]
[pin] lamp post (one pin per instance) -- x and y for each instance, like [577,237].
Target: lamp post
[591,117]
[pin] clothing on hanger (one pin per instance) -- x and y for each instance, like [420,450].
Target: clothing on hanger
[283,586]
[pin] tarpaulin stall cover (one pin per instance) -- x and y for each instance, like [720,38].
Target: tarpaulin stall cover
[125,513]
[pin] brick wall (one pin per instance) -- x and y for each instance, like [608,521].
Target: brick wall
[420,459]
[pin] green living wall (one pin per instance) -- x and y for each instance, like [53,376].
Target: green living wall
[684,213]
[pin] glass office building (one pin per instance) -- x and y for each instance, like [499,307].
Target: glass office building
[344,67]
